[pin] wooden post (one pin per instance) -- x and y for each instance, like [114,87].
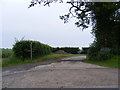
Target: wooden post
[31,50]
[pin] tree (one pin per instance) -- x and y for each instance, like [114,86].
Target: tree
[103,16]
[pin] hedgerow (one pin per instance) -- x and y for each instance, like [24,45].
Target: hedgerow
[72,50]
[23,49]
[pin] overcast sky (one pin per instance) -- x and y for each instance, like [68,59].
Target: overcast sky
[40,24]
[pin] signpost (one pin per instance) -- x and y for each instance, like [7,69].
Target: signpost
[105,49]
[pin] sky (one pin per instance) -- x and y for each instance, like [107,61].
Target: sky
[40,23]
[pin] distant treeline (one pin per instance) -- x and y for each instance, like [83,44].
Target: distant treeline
[72,50]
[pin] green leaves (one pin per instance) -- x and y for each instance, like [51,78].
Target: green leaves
[65,18]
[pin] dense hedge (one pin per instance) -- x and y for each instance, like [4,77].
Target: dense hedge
[84,50]
[72,50]
[23,49]
[95,52]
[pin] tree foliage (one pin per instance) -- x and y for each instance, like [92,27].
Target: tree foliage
[104,17]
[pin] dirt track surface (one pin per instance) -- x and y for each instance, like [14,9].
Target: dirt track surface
[61,73]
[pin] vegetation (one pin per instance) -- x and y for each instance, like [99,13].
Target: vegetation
[12,61]
[25,49]
[72,50]
[103,16]
[112,62]
[5,53]
[105,19]
[22,51]
[84,50]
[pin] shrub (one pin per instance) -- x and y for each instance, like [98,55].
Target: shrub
[93,51]
[115,50]
[103,55]
[22,49]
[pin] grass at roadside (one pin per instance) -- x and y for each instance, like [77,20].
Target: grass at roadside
[0,62]
[12,61]
[113,62]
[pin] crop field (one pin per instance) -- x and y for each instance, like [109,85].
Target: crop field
[5,53]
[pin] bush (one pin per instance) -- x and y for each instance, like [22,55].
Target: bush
[103,55]
[22,49]
[115,50]
[93,51]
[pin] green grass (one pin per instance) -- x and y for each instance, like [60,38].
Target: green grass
[113,62]
[12,61]
[0,62]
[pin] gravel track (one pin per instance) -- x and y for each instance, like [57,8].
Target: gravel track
[61,73]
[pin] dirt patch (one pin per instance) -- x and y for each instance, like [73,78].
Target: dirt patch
[61,52]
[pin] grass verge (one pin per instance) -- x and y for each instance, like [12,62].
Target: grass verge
[113,62]
[12,61]
[0,62]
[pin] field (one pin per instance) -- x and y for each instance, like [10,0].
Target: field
[5,53]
